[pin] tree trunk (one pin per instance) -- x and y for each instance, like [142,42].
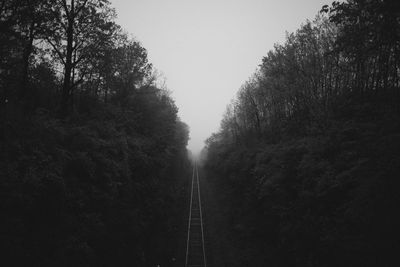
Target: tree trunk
[66,91]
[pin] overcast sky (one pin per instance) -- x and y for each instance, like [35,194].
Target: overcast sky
[207,49]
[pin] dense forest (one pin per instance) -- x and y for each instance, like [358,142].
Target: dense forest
[307,158]
[92,151]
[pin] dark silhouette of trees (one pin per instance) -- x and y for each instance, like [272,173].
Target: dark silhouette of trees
[93,153]
[323,61]
[307,151]
[80,29]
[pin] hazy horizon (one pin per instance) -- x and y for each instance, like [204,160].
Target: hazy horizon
[209,48]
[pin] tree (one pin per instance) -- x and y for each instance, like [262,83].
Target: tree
[131,68]
[79,27]
[368,37]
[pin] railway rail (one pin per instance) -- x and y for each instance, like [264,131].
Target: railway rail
[195,251]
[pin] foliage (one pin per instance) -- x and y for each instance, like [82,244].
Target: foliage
[93,154]
[307,153]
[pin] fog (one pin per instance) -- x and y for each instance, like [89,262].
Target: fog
[206,49]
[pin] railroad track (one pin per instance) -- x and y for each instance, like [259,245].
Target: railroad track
[195,252]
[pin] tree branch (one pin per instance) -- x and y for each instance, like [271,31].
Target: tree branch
[60,55]
[81,7]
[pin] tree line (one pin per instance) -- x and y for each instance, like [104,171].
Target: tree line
[350,50]
[93,153]
[78,42]
[306,152]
